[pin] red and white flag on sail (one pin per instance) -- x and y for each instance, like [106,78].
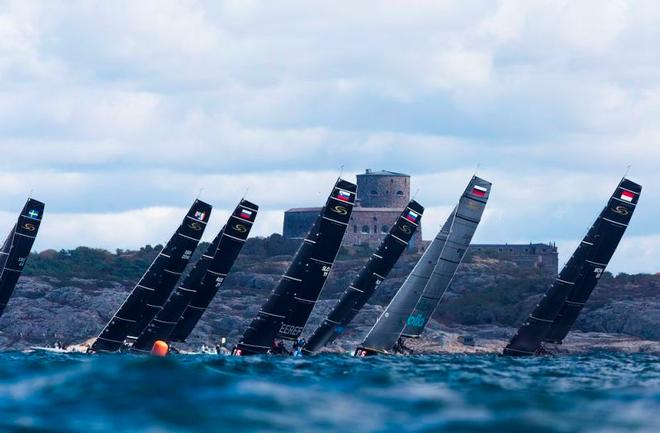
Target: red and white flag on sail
[479,191]
[627,196]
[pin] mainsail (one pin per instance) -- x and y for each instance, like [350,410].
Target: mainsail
[17,247]
[190,300]
[370,277]
[287,310]
[557,311]
[384,335]
[153,289]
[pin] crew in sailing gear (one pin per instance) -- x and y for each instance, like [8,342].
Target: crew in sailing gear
[401,348]
[221,348]
[278,348]
[298,346]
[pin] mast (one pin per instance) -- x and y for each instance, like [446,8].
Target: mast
[16,248]
[370,277]
[155,286]
[384,335]
[464,223]
[190,300]
[557,311]
[286,312]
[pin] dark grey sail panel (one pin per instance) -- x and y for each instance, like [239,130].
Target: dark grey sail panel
[178,317]
[578,277]
[613,222]
[153,289]
[464,224]
[374,272]
[287,310]
[384,335]
[16,248]
[387,329]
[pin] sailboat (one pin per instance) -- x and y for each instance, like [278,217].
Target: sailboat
[416,300]
[156,285]
[16,248]
[180,314]
[287,310]
[368,280]
[557,311]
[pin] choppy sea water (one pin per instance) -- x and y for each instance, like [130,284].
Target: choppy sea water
[41,392]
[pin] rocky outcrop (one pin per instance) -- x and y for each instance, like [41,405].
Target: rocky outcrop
[488,299]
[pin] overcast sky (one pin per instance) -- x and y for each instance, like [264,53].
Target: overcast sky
[117,114]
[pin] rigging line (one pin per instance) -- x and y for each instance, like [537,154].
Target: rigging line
[247,190]
[341,171]
[199,193]
[476,170]
[415,195]
[627,171]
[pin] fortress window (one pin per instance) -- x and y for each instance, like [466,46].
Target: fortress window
[385,229]
[365,229]
[375,219]
[355,228]
[373,192]
[375,229]
[399,193]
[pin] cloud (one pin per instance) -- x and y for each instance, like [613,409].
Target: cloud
[113,109]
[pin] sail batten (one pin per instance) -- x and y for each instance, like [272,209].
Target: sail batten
[16,248]
[152,291]
[287,310]
[412,306]
[368,279]
[559,308]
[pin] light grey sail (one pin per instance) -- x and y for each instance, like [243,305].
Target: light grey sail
[384,336]
[463,225]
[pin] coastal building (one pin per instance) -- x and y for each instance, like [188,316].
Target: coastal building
[382,195]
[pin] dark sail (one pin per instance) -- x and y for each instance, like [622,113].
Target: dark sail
[187,304]
[374,272]
[463,226]
[287,310]
[555,314]
[384,335]
[153,289]
[17,247]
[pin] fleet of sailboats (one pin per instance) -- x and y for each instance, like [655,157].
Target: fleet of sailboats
[157,312]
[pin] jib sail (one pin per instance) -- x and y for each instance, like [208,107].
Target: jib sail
[557,311]
[464,224]
[190,300]
[16,249]
[287,310]
[384,335]
[370,277]
[153,289]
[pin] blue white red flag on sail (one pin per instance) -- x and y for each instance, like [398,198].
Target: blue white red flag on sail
[343,195]
[412,216]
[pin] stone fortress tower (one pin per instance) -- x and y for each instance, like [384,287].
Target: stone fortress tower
[381,197]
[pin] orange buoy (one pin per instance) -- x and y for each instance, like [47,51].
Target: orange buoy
[160,348]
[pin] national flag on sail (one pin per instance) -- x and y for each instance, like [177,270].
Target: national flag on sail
[343,195]
[199,215]
[479,191]
[246,214]
[412,216]
[627,196]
